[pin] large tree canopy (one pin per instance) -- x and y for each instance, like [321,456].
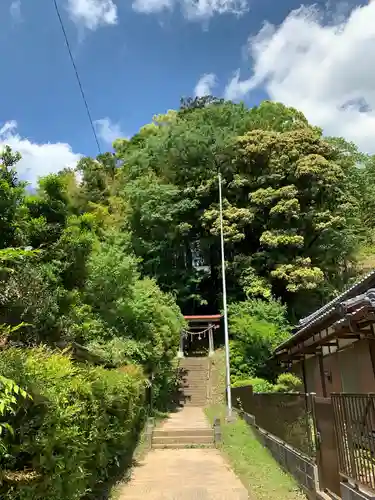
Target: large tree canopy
[291,220]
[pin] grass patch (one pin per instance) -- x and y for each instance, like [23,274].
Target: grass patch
[253,464]
[218,377]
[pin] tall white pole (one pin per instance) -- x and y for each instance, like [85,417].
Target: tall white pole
[226,334]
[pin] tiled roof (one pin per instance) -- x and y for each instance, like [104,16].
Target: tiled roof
[330,305]
[328,309]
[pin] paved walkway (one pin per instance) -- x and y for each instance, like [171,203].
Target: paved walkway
[184,474]
[189,417]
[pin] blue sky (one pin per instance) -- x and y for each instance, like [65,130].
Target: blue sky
[137,59]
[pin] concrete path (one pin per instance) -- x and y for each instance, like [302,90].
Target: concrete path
[184,474]
[188,417]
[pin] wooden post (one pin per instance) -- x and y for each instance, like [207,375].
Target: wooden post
[322,375]
[304,378]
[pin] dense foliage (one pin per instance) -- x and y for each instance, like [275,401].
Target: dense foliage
[104,256]
[292,217]
[80,423]
[69,277]
[285,382]
[256,327]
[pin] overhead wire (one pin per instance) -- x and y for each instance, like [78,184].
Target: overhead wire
[77,75]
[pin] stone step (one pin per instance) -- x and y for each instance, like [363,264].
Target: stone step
[194,394]
[182,432]
[194,368]
[196,378]
[188,391]
[195,404]
[195,373]
[201,378]
[197,383]
[194,390]
[178,446]
[200,387]
[183,439]
[192,397]
[195,400]
[197,387]
[193,359]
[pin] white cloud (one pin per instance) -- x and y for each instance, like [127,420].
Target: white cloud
[322,66]
[237,89]
[37,159]
[152,6]
[15,10]
[193,9]
[205,85]
[92,14]
[108,131]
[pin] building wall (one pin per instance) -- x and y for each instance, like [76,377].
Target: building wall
[350,369]
[366,369]
[313,379]
[332,375]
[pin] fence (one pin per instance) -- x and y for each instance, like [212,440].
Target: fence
[354,416]
[285,415]
[339,431]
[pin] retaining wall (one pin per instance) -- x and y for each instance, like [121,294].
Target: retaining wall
[300,467]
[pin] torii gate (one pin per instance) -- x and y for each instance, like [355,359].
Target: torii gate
[210,322]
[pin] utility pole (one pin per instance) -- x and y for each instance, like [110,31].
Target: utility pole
[226,334]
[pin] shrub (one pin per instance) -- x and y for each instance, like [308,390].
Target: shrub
[288,382]
[81,422]
[271,311]
[256,327]
[258,384]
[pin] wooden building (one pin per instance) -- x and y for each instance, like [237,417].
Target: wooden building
[333,349]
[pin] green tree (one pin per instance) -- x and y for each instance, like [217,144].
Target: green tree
[12,193]
[287,203]
[256,328]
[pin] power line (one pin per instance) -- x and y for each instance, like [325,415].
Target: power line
[77,75]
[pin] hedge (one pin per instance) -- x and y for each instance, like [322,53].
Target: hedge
[81,422]
[286,382]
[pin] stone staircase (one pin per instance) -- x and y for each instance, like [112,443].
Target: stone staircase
[194,389]
[188,427]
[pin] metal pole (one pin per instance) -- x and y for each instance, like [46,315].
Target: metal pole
[226,335]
